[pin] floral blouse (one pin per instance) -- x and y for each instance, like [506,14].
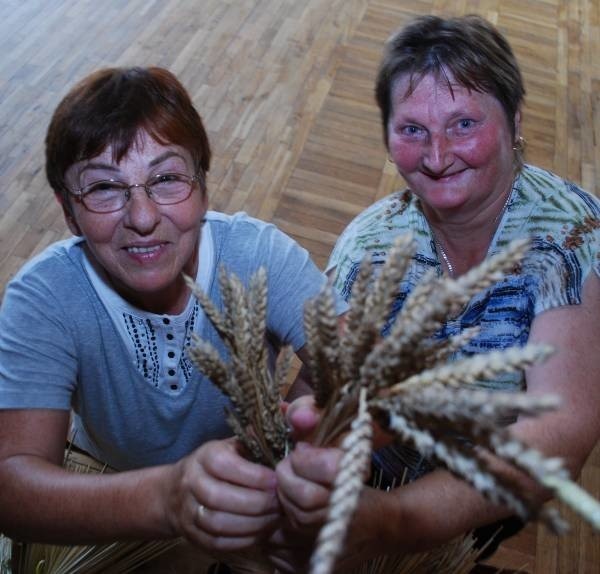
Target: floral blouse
[562,221]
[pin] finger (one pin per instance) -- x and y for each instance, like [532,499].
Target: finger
[291,556]
[226,497]
[303,417]
[315,464]
[282,564]
[303,522]
[305,494]
[278,538]
[289,538]
[230,525]
[286,563]
[218,531]
[283,407]
[222,543]
[223,461]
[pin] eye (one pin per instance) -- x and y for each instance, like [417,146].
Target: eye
[466,123]
[104,187]
[167,178]
[411,130]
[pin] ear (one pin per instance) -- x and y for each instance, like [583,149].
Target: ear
[68,215]
[517,124]
[204,198]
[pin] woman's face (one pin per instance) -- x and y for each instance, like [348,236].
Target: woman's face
[143,247]
[454,149]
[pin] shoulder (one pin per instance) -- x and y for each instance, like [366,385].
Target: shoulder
[52,286]
[552,194]
[243,244]
[559,212]
[563,222]
[54,265]
[239,235]
[240,222]
[374,228]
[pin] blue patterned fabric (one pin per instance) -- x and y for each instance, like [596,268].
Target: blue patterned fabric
[563,223]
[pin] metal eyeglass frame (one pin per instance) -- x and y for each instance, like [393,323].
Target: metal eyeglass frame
[79,194]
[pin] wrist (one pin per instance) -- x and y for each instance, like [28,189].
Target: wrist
[375,528]
[164,510]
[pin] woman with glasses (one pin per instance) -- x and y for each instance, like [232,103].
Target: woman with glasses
[99,324]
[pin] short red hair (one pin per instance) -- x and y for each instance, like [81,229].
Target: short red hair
[109,107]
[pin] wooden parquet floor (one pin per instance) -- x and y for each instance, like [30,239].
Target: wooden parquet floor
[286,90]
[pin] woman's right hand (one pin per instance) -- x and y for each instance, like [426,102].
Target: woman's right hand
[220,501]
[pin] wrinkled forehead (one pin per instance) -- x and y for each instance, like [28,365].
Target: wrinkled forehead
[440,80]
[117,145]
[144,152]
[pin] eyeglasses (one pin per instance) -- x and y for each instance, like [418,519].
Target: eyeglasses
[110,195]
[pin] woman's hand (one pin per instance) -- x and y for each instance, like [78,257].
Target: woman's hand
[305,478]
[302,417]
[220,501]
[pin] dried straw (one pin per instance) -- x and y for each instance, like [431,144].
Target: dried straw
[115,558]
[403,380]
[354,464]
[245,378]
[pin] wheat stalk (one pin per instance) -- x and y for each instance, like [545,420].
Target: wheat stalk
[425,402]
[245,378]
[356,448]
[402,380]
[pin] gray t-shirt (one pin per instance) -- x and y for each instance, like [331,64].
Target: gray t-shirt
[60,348]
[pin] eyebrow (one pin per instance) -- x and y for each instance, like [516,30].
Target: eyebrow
[98,165]
[163,156]
[157,160]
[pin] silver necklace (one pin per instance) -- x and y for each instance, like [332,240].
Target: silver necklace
[440,249]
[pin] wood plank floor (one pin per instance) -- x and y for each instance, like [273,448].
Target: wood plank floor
[286,90]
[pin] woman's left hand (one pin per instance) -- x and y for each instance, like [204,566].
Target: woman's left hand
[305,479]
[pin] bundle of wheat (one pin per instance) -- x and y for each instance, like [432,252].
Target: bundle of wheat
[402,381]
[457,557]
[247,380]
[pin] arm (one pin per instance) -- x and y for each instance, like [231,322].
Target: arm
[438,507]
[41,501]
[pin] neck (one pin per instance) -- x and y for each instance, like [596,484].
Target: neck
[463,245]
[170,301]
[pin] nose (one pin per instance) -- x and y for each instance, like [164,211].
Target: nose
[438,156]
[143,215]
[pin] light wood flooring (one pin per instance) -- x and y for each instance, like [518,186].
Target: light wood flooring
[286,90]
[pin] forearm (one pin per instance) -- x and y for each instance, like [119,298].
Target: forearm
[439,507]
[43,502]
[416,517]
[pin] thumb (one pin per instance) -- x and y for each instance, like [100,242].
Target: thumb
[303,417]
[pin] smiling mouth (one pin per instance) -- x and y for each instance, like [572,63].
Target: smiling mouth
[149,249]
[442,176]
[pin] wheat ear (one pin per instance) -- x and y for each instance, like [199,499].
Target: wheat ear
[347,487]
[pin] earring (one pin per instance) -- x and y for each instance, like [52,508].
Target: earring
[519,145]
